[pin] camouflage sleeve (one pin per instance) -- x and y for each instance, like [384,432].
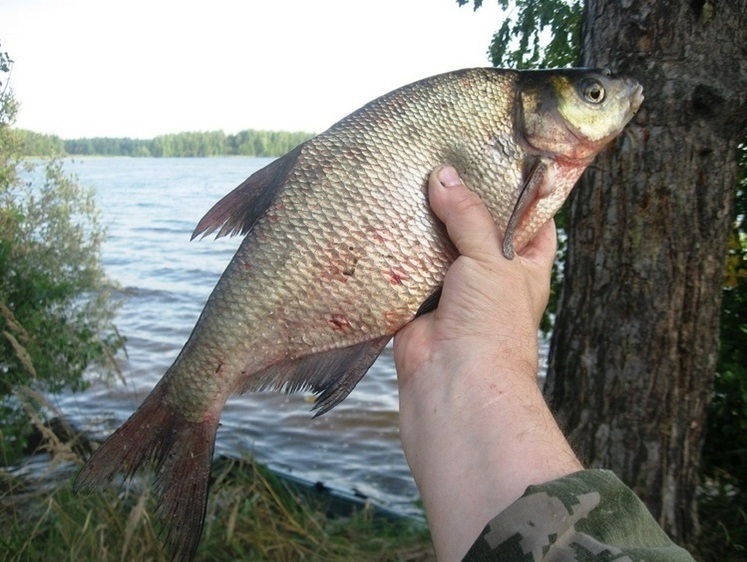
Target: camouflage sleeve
[589,515]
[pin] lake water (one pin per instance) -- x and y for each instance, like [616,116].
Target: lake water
[150,207]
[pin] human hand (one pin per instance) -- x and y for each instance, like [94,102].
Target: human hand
[489,304]
[475,428]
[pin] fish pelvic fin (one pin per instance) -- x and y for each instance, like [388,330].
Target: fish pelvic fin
[237,212]
[180,451]
[331,375]
[337,384]
[430,303]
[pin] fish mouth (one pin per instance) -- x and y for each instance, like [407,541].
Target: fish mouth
[636,97]
[634,92]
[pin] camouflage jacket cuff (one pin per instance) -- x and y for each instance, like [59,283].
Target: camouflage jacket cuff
[588,515]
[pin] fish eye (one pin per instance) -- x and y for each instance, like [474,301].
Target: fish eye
[592,90]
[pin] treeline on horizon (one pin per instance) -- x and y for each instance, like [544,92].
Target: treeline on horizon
[249,142]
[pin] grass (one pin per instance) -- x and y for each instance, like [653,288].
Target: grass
[254,516]
[251,516]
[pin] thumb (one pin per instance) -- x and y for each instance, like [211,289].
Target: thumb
[467,219]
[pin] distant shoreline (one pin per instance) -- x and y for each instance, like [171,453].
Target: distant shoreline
[199,144]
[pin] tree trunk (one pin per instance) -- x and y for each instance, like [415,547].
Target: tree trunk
[636,339]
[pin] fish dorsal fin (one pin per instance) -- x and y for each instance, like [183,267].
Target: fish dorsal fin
[237,212]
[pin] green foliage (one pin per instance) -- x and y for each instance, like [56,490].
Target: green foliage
[107,147]
[40,145]
[265,143]
[725,450]
[55,317]
[5,65]
[724,465]
[541,34]
[190,144]
[723,516]
[251,515]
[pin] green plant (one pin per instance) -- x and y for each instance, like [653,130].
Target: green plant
[724,489]
[251,516]
[55,311]
[536,34]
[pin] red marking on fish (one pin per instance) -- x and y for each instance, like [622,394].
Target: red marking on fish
[395,318]
[382,236]
[396,276]
[339,322]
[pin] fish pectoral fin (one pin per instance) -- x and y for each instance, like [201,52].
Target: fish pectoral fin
[538,179]
[331,375]
[239,210]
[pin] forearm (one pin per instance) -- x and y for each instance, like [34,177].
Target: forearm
[466,476]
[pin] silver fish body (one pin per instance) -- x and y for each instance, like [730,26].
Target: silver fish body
[341,250]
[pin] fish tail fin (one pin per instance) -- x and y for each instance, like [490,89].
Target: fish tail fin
[179,450]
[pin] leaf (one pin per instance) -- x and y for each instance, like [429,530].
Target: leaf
[536,34]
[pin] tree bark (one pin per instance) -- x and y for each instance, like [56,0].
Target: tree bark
[635,345]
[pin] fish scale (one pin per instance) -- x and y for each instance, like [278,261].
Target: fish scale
[341,251]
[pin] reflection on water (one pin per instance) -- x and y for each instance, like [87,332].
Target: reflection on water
[150,207]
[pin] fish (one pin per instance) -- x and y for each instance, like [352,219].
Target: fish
[341,250]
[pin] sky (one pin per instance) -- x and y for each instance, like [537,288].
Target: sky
[140,68]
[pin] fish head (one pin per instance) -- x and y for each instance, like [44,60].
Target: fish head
[572,114]
[563,118]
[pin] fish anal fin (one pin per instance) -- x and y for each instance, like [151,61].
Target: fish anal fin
[331,375]
[538,180]
[179,450]
[237,212]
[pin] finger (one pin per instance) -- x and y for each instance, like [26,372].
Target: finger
[542,247]
[467,219]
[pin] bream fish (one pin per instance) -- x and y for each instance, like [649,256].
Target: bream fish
[341,250]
